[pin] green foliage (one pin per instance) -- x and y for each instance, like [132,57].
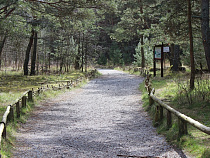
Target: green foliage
[115,55]
[201,92]
[148,54]
[102,59]
[102,23]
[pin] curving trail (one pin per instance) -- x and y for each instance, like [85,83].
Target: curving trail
[102,119]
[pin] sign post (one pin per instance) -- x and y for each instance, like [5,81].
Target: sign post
[162,57]
[159,55]
[154,63]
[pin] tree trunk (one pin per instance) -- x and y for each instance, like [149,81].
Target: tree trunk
[83,40]
[142,52]
[192,78]
[76,63]
[1,47]
[61,64]
[37,65]
[33,59]
[171,58]
[142,38]
[176,58]
[28,50]
[49,60]
[86,45]
[205,30]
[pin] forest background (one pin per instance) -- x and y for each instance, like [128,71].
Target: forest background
[36,34]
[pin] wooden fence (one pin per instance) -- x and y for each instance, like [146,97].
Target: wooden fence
[183,120]
[14,110]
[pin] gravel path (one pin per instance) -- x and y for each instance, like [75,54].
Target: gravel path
[102,119]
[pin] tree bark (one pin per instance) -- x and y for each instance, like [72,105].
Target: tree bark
[142,52]
[28,50]
[142,39]
[61,64]
[76,63]
[205,30]
[33,59]
[86,45]
[192,78]
[171,58]
[1,47]
[83,41]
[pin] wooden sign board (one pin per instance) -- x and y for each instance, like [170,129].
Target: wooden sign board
[166,49]
[158,53]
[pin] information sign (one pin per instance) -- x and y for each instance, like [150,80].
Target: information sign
[158,53]
[166,49]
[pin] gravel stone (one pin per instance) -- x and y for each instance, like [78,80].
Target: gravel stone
[103,119]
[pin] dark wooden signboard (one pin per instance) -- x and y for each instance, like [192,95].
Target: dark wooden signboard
[159,51]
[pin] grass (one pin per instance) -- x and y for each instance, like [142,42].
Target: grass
[196,142]
[7,145]
[12,86]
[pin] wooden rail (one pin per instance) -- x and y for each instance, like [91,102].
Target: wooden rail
[28,96]
[182,119]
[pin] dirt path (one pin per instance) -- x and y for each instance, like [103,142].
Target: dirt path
[102,119]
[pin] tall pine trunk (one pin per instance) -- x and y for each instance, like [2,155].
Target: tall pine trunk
[1,47]
[33,59]
[28,50]
[142,39]
[77,59]
[192,78]
[83,41]
[142,52]
[205,30]
[86,45]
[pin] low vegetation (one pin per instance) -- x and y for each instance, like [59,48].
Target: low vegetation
[13,85]
[174,90]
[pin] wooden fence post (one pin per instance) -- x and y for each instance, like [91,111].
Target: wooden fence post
[30,95]
[169,119]
[24,101]
[161,113]
[68,85]
[151,101]
[4,133]
[11,114]
[157,115]
[18,109]
[182,127]
[38,91]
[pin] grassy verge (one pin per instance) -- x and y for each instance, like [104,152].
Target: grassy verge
[173,89]
[8,143]
[12,86]
[196,143]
